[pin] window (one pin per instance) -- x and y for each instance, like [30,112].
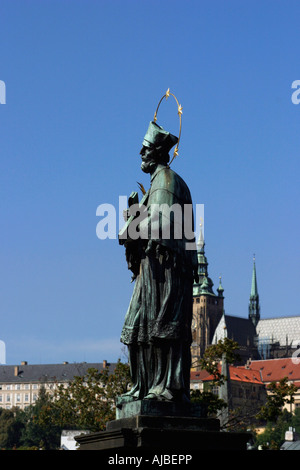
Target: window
[1,398]
[26,397]
[18,397]
[18,387]
[7,387]
[26,386]
[7,397]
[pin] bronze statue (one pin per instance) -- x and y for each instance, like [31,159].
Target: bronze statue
[157,327]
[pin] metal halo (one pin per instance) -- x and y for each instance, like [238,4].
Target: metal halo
[179,107]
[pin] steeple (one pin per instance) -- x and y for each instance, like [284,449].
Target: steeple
[205,284]
[202,260]
[208,307]
[254,308]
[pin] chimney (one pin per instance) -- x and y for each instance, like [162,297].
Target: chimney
[104,364]
[16,371]
[24,363]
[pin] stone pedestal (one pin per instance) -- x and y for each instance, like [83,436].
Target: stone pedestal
[161,427]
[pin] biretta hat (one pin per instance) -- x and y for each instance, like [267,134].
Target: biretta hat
[158,137]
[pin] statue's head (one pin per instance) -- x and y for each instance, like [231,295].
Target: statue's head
[156,146]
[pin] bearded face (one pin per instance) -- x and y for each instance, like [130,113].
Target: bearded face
[149,162]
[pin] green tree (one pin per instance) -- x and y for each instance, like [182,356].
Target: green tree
[35,433]
[16,429]
[224,350]
[209,400]
[274,434]
[89,401]
[296,420]
[280,393]
[7,419]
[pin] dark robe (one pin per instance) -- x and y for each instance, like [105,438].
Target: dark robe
[157,327]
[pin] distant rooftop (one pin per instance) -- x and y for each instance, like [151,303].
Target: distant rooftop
[240,329]
[64,372]
[284,330]
[276,369]
[237,373]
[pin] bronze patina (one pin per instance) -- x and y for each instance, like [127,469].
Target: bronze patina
[157,326]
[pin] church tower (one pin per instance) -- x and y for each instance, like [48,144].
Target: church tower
[254,307]
[207,307]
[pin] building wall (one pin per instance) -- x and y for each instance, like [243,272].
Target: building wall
[247,396]
[20,384]
[207,312]
[22,395]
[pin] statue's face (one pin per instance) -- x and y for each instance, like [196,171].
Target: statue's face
[148,159]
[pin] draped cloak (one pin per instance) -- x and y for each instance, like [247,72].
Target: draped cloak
[157,326]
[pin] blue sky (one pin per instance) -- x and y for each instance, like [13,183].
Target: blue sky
[83,79]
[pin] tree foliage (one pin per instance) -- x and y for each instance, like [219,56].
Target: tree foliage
[209,400]
[225,349]
[7,420]
[89,400]
[280,394]
[35,433]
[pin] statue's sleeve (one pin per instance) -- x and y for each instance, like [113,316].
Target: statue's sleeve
[170,214]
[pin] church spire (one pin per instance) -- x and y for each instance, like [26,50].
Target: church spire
[205,284]
[201,242]
[202,260]
[254,292]
[254,308]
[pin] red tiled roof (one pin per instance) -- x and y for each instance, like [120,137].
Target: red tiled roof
[265,371]
[276,369]
[240,374]
[199,375]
